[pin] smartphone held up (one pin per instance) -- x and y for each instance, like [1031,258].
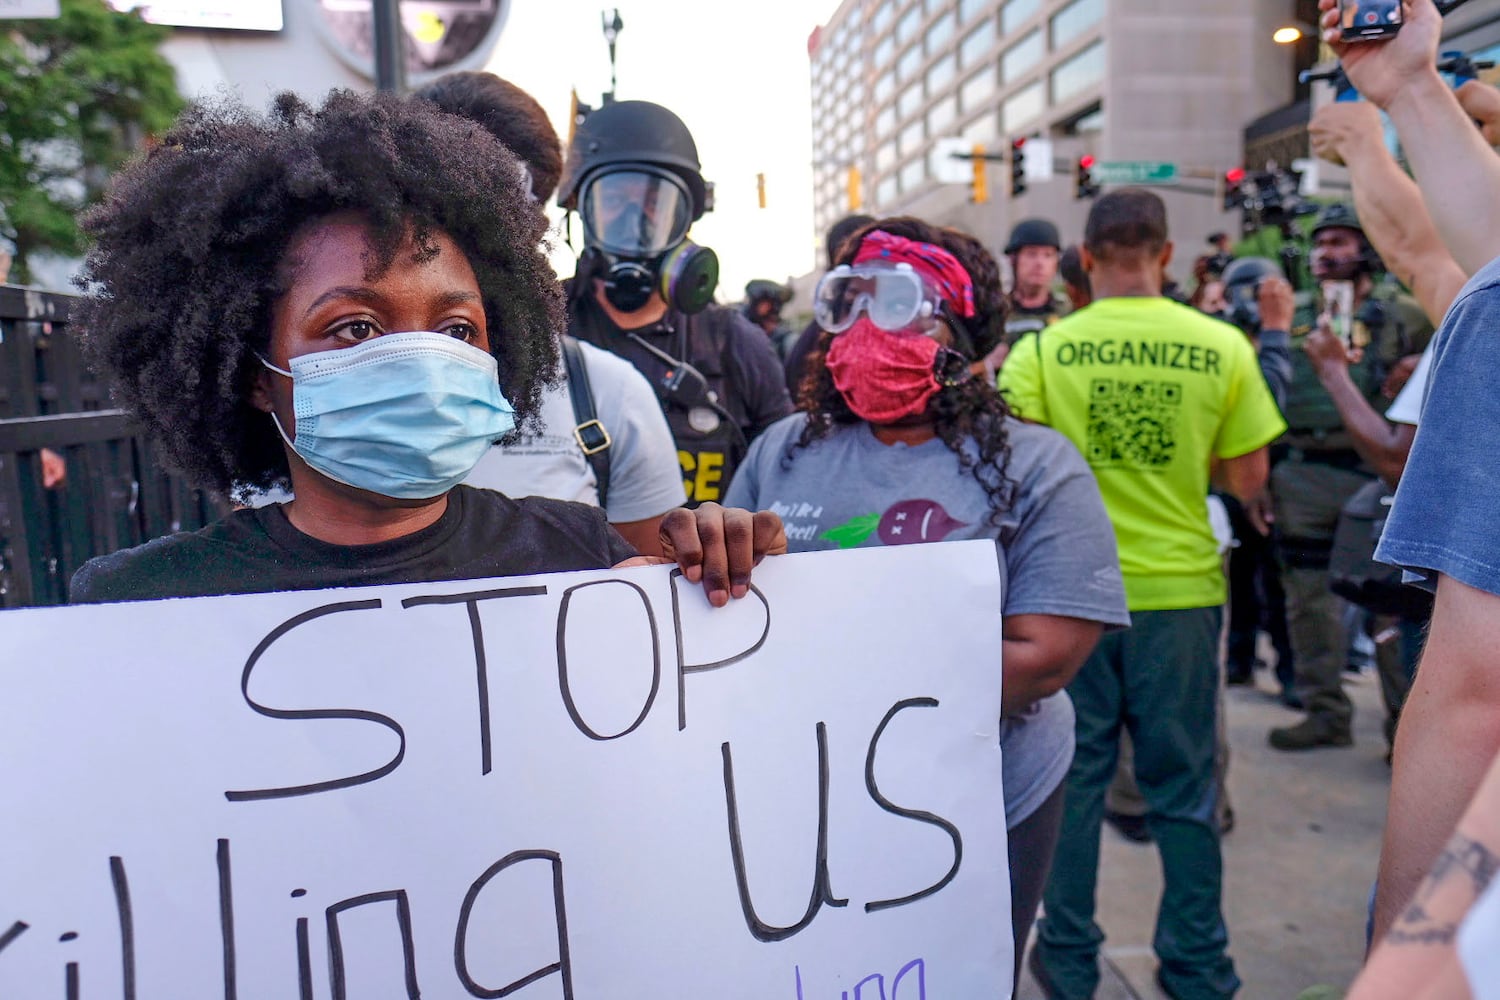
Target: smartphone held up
[1369,20]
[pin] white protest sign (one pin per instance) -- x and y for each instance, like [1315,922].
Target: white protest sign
[584,785]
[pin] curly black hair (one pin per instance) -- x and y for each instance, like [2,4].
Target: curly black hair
[965,407]
[510,114]
[188,249]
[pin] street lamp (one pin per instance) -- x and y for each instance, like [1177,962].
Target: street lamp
[612,27]
[1291,34]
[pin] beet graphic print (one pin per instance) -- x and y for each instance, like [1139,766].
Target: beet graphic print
[905,523]
[916,521]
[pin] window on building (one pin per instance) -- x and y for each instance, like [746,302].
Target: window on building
[941,73]
[885,193]
[885,86]
[942,115]
[910,100]
[883,52]
[1016,13]
[1091,120]
[885,122]
[1021,57]
[982,131]
[975,92]
[906,28]
[940,32]
[1023,107]
[969,9]
[912,138]
[1074,19]
[885,156]
[881,19]
[913,174]
[910,62]
[977,43]
[1078,74]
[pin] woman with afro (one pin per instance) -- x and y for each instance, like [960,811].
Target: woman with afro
[900,442]
[350,303]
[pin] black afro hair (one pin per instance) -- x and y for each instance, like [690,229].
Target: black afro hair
[189,241]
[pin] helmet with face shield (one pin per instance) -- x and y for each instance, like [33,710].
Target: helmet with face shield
[636,211]
[632,173]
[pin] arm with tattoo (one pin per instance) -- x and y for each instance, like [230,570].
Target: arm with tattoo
[1418,951]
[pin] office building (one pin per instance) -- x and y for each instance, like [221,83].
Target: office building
[1138,81]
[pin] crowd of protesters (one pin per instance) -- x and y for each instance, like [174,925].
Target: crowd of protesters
[1112,441]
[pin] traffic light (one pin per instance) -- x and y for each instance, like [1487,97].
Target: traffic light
[760,188]
[1017,167]
[979,191]
[856,193]
[1234,189]
[1083,178]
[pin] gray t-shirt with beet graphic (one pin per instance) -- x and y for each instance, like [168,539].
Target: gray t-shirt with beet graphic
[1055,542]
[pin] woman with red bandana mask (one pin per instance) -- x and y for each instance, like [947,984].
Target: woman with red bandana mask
[899,442]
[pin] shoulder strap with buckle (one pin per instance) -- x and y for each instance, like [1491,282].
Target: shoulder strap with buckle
[592,436]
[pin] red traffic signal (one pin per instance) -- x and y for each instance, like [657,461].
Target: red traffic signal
[1234,193]
[1083,178]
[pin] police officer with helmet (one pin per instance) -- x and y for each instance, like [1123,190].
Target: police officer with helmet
[764,300]
[1034,249]
[1317,468]
[644,291]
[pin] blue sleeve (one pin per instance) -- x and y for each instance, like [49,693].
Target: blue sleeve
[1443,520]
[1275,355]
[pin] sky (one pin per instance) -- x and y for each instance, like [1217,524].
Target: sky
[737,74]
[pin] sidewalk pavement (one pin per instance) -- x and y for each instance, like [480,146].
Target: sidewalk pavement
[1298,866]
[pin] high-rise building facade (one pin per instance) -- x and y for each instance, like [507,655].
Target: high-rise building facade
[1161,81]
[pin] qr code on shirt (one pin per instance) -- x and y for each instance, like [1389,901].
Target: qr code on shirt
[1133,423]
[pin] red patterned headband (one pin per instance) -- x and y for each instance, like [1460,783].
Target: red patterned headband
[934,263]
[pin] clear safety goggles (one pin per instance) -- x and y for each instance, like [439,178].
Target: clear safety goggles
[894,297]
[636,212]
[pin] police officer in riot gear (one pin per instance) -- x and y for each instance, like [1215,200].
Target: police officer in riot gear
[1317,469]
[1034,249]
[763,303]
[645,292]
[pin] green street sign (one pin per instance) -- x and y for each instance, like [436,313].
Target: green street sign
[1134,172]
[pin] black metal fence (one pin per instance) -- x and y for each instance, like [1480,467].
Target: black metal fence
[113,495]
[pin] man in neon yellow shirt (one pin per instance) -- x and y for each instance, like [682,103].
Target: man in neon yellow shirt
[1160,399]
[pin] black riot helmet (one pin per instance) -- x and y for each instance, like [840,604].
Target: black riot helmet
[1242,280]
[633,133]
[633,176]
[1033,233]
[1341,215]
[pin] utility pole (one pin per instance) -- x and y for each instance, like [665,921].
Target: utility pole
[390,54]
[612,28]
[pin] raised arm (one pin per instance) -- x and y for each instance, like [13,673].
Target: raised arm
[1452,161]
[1389,204]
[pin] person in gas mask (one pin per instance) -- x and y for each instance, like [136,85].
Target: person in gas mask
[1318,468]
[645,292]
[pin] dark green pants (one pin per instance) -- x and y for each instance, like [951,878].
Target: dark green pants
[1159,681]
[1308,499]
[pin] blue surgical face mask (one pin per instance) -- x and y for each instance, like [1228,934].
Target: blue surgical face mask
[404,415]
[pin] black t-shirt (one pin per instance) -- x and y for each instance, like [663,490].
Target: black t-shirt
[482,534]
[738,363]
